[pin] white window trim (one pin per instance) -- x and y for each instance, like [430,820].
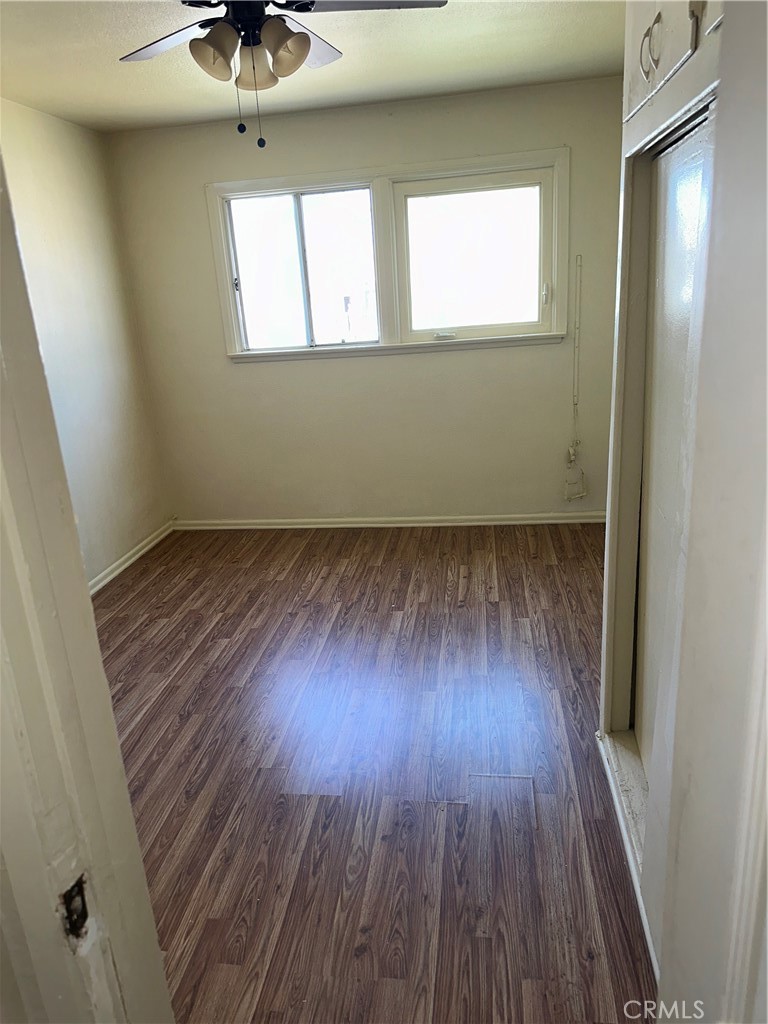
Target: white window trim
[389,270]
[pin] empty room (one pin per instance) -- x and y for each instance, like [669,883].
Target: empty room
[383,513]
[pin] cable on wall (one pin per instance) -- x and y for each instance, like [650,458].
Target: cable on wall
[575,481]
[576,354]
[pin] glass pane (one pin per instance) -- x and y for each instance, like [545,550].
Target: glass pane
[474,258]
[269,267]
[338,238]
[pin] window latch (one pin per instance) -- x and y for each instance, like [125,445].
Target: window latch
[236,284]
[545,294]
[444,335]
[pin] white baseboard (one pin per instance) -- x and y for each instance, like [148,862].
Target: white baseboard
[311,524]
[622,780]
[122,563]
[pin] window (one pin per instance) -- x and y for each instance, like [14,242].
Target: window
[460,252]
[452,282]
[304,269]
[475,256]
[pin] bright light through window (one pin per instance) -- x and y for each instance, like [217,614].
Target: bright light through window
[269,271]
[473,258]
[326,297]
[338,237]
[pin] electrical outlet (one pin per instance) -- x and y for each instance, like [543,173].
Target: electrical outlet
[75,909]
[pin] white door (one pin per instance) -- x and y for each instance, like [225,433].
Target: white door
[68,837]
[671,370]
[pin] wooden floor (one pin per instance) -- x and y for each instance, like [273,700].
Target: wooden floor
[365,778]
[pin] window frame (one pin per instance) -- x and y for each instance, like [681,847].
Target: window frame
[386,185]
[542,177]
[308,316]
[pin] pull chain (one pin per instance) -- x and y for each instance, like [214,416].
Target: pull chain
[240,125]
[261,142]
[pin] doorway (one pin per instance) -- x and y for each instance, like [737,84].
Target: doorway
[664,253]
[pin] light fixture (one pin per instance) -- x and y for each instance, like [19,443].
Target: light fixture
[279,37]
[216,51]
[288,49]
[255,72]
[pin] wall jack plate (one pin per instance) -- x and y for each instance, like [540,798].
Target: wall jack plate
[575,483]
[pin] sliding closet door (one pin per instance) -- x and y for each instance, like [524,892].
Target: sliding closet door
[678,212]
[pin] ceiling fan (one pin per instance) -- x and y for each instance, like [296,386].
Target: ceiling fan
[246,27]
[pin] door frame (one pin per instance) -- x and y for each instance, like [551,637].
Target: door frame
[66,810]
[657,126]
[742,926]
[625,453]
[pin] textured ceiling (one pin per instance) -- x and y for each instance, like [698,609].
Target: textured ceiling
[62,57]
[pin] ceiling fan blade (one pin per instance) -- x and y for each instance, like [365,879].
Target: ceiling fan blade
[328,6]
[320,52]
[169,41]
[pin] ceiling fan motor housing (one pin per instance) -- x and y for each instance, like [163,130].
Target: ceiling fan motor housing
[247,16]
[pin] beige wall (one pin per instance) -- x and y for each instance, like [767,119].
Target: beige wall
[11,1002]
[475,433]
[64,218]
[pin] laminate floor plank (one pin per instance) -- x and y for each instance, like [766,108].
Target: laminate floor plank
[364,774]
[463,978]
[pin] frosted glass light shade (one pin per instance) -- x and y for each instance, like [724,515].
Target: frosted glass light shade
[250,57]
[216,51]
[289,49]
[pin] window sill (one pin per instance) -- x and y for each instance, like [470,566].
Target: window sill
[335,351]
